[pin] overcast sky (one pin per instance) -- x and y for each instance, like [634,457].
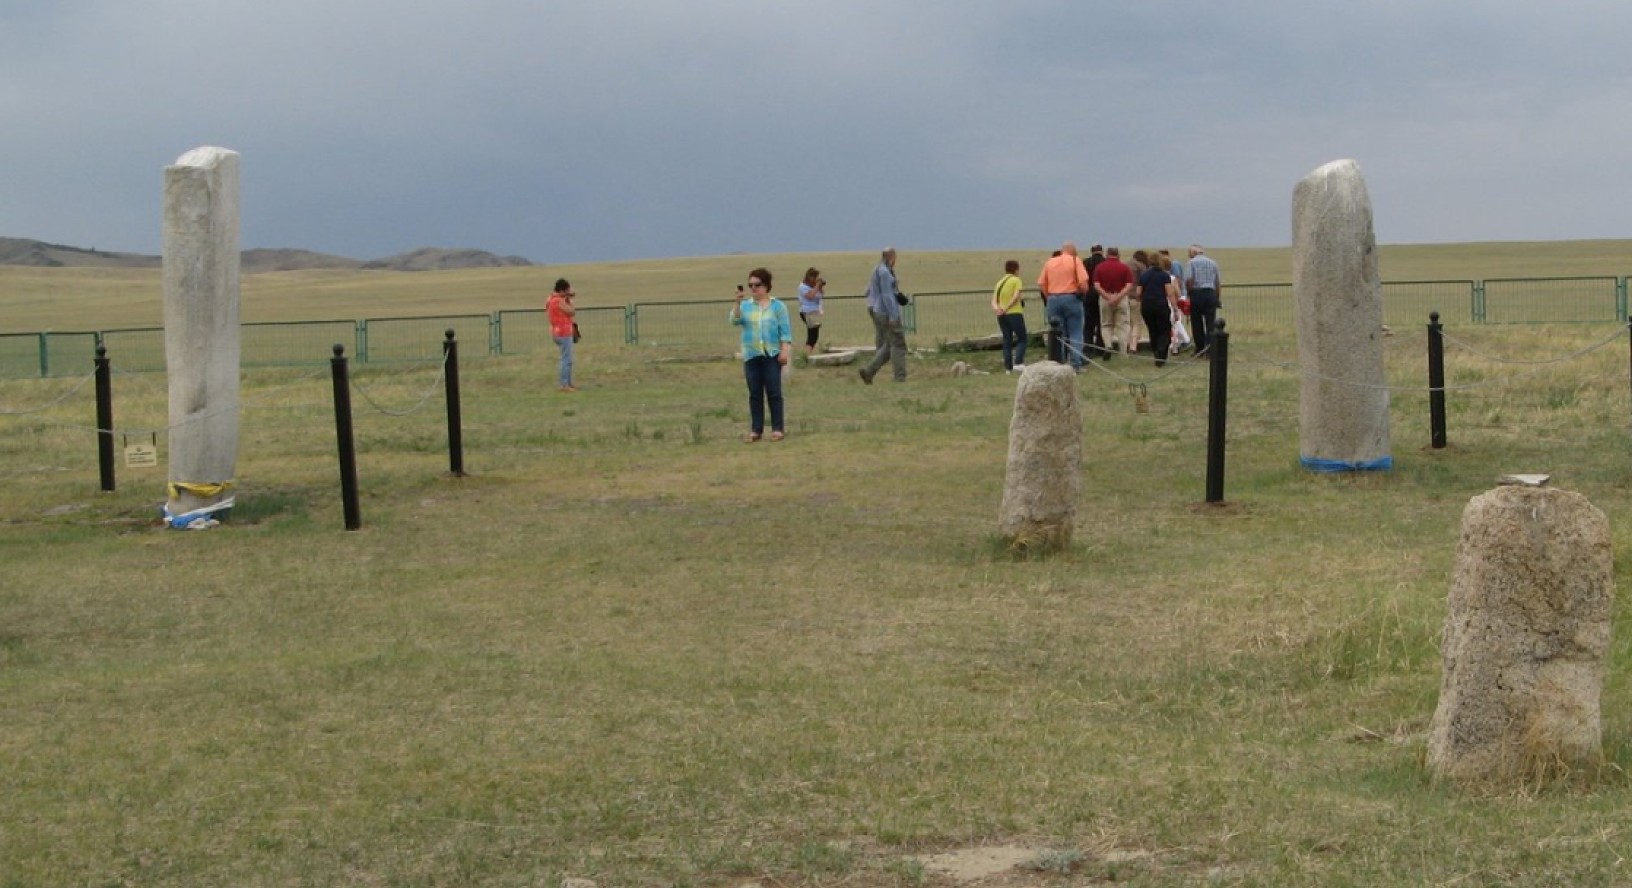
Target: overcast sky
[585,130]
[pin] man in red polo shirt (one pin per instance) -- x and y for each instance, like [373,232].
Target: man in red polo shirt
[1113,283]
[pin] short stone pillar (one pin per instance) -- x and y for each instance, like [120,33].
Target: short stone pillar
[1043,477]
[1337,304]
[201,333]
[1526,635]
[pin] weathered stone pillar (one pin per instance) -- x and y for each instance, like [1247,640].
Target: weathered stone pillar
[1526,635]
[201,333]
[1043,476]
[1337,302]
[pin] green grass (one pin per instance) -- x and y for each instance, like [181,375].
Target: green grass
[630,648]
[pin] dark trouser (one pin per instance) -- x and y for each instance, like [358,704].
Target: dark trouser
[1158,317]
[1203,316]
[812,331]
[1092,340]
[1013,328]
[764,384]
[892,339]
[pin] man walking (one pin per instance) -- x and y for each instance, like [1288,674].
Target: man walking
[1113,283]
[1206,289]
[1063,281]
[884,305]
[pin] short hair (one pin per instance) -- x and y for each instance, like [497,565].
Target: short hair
[561,285]
[886,253]
[811,276]
[1096,248]
[1197,248]
[1011,266]
[1114,251]
[763,274]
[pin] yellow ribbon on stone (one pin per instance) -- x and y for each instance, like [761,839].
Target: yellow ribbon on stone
[200,489]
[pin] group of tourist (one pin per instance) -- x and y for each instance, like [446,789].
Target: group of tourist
[1102,304]
[767,336]
[1092,301]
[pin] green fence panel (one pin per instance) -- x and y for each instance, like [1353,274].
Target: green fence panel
[135,349]
[1407,303]
[964,314]
[1248,307]
[70,353]
[279,343]
[420,339]
[524,331]
[1550,300]
[706,324]
[23,355]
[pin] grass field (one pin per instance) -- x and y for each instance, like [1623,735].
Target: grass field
[632,649]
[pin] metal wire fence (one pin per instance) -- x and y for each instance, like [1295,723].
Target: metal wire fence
[932,317]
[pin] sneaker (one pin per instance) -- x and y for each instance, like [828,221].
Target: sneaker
[1020,366]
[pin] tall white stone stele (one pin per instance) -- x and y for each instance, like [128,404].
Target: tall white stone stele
[201,333]
[1337,303]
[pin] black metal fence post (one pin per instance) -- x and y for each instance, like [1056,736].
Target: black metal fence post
[1436,381]
[342,429]
[456,438]
[1218,389]
[1056,341]
[104,417]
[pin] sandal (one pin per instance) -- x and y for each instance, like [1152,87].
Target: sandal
[777,436]
[752,437]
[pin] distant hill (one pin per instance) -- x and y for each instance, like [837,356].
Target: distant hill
[434,259]
[39,254]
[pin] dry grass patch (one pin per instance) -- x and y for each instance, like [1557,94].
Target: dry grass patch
[632,649]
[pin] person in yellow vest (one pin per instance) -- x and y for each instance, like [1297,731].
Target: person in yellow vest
[1010,306]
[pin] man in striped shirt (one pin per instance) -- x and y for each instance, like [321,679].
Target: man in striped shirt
[1206,288]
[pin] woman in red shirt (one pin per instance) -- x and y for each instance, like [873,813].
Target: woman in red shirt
[561,310]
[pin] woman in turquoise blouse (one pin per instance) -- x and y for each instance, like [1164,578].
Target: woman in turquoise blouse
[767,338]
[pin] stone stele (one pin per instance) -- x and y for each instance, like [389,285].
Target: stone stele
[201,332]
[1337,302]
[1043,476]
[1527,630]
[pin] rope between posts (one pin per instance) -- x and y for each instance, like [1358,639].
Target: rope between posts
[430,392]
[53,402]
[165,430]
[1175,367]
[1299,370]
[1468,347]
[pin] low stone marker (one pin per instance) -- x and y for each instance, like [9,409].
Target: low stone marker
[1526,635]
[832,359]
[1337,304]
[1043,477]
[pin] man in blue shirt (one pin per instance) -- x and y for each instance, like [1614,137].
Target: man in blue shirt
[1206,289]
[884,305]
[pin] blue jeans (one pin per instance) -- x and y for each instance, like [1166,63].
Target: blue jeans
[1013,328]
[565,344]
[764,376]
[1067,309]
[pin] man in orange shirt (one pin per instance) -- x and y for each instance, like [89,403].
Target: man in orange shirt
[1063,279]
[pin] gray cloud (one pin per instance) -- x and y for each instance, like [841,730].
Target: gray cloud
[577,130]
